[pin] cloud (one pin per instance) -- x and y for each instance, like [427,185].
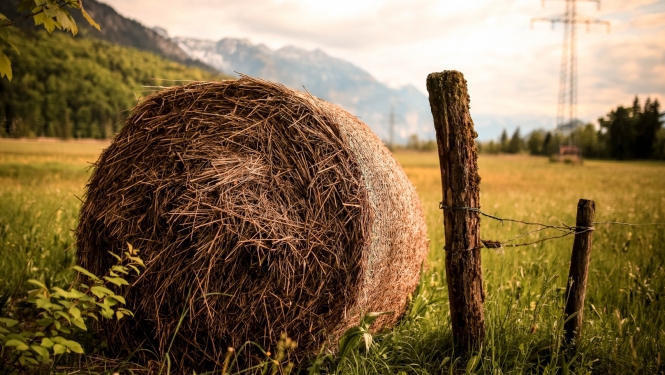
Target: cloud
[327,24]
[648,21]
[394,23]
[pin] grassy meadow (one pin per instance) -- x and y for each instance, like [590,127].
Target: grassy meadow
[624,317]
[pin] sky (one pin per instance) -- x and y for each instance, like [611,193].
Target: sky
[511,66]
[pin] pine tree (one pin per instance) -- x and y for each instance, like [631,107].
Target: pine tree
[643,145]
[650,125]
[504,141]
[515,144]
[636,110]
[632,132]
[547,144]
[620,133]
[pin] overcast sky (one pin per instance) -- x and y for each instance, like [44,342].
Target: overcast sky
[512,70]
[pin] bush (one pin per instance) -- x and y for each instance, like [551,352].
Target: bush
[60,317]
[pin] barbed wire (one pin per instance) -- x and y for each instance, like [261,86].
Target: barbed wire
[501,219]
[621,223]
[566,230]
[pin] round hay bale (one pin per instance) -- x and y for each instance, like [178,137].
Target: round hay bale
[261,210]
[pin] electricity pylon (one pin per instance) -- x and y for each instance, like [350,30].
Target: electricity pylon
[566,112]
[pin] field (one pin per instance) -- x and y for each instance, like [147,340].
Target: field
[624,319]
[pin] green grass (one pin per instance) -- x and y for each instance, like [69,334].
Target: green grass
[39,186]
[624,317]
[624,329]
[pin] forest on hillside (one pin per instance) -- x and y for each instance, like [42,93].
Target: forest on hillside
[72,87]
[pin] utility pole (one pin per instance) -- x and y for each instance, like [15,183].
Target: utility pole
[567,101]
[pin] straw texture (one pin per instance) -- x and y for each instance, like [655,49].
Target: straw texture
[257,208]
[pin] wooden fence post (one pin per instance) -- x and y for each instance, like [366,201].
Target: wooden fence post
[449,102]
[579,269]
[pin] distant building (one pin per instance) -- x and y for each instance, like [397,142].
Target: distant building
[569,154]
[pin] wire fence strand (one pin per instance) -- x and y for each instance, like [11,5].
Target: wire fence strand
[566,230]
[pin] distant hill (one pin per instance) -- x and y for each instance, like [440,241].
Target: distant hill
[115,29]
[329,78]
[80,87]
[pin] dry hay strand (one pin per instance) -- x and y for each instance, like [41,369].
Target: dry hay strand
[259,210]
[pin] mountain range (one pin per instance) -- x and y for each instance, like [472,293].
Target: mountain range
[327,77]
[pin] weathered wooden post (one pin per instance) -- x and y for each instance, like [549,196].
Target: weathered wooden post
[579,269]
[449,102]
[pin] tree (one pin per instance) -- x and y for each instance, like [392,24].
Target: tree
[547,144]
[647,124]
[552,142]
[620,133]
[480,147]
[51,14]
[78,87]
[429,145]
[587,139]
[492,148]
[535,142]
[636,110]
[632,132]
[504,141]
[659,145]
[515,144]
[413,143]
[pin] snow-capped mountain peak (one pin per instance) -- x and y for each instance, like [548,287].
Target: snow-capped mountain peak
[327,77]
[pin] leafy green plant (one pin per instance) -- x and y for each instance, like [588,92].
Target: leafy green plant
[50,13]
[355,335]
[350,341]
[422,299]
[63,315]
